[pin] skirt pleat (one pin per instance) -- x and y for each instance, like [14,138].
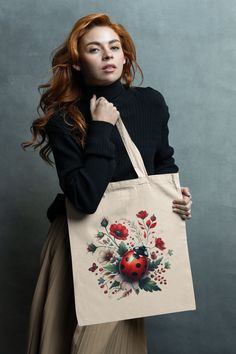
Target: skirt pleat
[53,327]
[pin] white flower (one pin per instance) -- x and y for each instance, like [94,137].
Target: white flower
[118,278]
[125,284]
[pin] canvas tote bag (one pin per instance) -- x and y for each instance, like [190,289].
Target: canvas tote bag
[130,258]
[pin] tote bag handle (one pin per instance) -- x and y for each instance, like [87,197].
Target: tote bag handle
[132,150]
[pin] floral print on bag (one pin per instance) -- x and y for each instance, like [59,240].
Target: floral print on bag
[130,256]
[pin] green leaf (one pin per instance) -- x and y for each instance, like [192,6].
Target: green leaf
[100,234]
[167,265]
[100,281]
[115,284]
[112,268]
[170,252]
[106,273]
[91,247]
[122,248]
[104,222]
[148,285]
[154,264]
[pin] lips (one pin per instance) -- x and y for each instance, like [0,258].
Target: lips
[109,66]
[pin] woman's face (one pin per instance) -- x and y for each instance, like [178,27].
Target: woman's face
[100,46]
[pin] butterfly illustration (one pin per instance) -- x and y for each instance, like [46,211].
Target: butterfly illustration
[93,268]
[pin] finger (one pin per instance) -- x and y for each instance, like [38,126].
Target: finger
[182,212]
[185,201]
[183,217]
[186,198]
[181,207]
[101,99]
[186,191]
[93,103]
[181,201]
[186,217]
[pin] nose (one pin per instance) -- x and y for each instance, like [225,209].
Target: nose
[107,54]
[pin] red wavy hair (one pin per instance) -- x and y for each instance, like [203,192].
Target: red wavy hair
[63,89]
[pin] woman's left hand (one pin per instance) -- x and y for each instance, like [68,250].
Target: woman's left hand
[183,206]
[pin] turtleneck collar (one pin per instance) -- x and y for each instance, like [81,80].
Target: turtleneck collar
[110,91]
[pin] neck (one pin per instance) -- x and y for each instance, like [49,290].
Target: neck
[110,91]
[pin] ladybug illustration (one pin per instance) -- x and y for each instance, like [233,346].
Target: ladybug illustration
[134,263]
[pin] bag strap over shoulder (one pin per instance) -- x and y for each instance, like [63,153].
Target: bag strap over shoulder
[132,150]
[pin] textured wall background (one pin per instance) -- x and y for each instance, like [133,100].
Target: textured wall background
[187,50]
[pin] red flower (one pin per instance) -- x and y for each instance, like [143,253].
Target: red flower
[148,222]
[159,243]
[153,255]
[142,214]
[119,231]
[153,225]
[153,218]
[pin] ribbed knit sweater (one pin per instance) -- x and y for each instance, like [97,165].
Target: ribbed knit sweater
[84,174]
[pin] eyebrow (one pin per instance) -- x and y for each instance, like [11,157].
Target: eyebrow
[94,42]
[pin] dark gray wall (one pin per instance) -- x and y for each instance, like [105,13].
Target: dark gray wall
[187,50]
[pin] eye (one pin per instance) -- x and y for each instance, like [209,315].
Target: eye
[92,50]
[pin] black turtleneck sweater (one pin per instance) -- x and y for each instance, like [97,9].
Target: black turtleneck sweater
[84,174]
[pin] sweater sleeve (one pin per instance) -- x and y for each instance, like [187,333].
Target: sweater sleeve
[164,157]
[83,174]
[165,162]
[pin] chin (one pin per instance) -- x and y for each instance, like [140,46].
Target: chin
[105,79]
[108,80]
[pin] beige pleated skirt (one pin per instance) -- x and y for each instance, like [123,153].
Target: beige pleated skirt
[53,327]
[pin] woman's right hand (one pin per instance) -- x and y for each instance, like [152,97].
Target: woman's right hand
[103,110]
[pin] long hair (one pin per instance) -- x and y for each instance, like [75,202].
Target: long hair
[64,88]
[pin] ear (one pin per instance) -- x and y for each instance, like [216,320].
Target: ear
[76,67]
[124,61]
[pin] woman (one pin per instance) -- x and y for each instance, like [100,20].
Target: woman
[81,105]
